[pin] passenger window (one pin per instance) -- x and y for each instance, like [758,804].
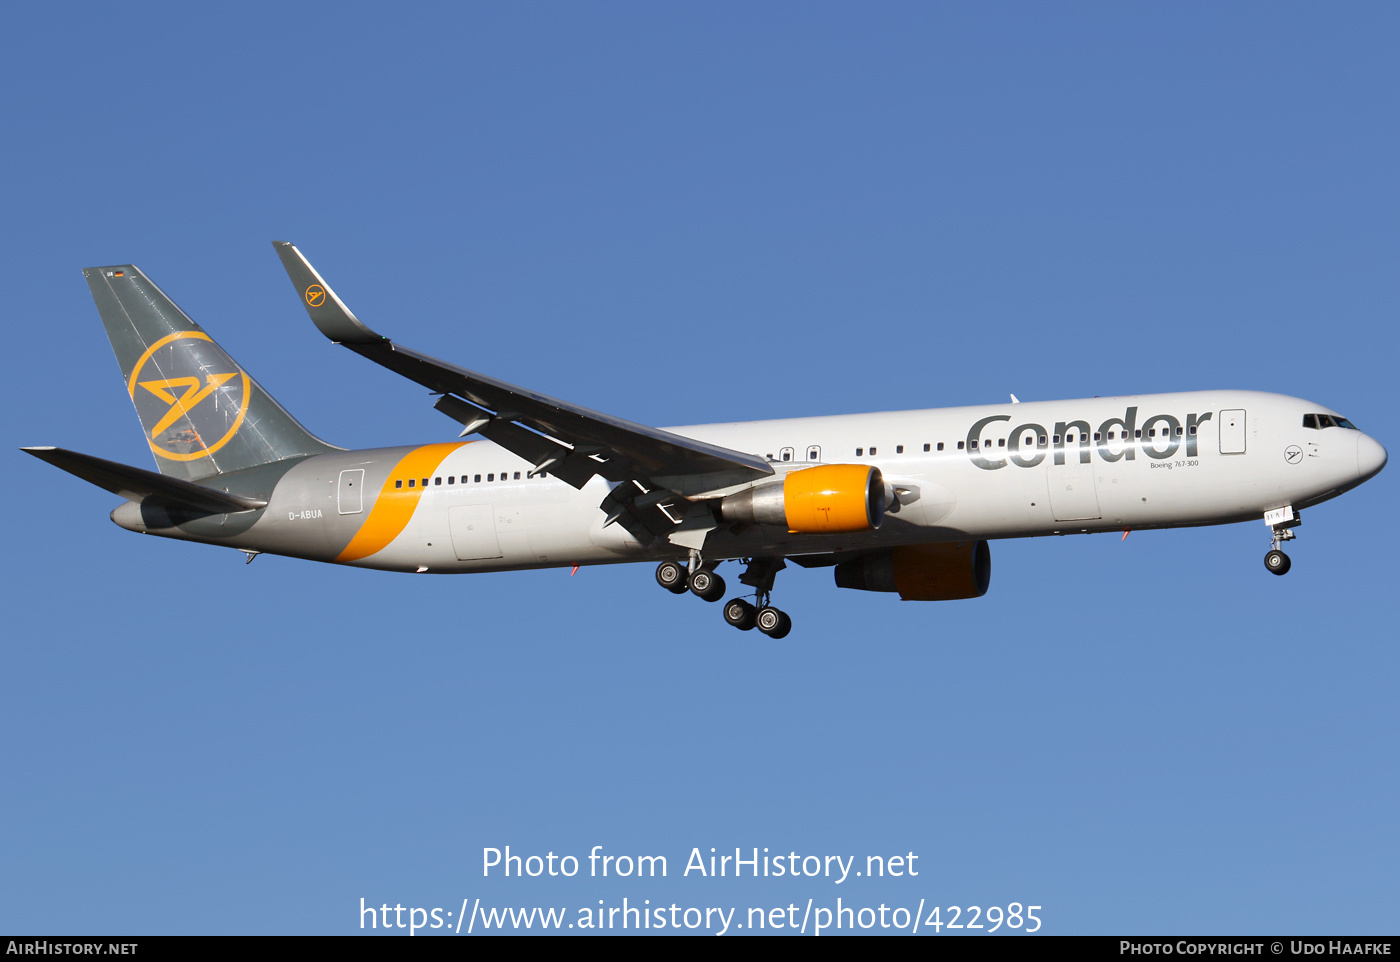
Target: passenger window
[425,482]
[410,482]
[437,481]
[1193,429]
[1042,440]
[476,478]
[451,479]
[899,449]
[872,452]
[925,447]
[1098,436]
[960,445]
[974,445]
[814,453]
[517,475]
[1138,433]
[860,452]
[398,483]
[940,445]
[785,454]
[1152,433]
[1001,442]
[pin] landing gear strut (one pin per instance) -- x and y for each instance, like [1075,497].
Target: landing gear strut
[1276,561]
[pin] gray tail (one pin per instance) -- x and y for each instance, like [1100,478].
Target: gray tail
[200,411]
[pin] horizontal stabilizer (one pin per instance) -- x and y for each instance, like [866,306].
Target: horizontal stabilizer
[140,485]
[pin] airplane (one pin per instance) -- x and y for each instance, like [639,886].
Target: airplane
[901,502]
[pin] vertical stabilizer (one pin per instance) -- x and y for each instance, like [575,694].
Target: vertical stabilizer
[201,413]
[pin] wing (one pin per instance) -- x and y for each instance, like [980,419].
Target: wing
[571,442]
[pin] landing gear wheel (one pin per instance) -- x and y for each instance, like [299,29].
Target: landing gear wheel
[1277,562]
[774,623]
[741,614]
[671,576]
[707,585]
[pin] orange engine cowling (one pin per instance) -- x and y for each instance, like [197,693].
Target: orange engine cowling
[827,498]
[922,572]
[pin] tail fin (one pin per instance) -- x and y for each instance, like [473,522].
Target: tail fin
[201,413]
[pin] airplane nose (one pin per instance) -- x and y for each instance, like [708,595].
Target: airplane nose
[1370,457]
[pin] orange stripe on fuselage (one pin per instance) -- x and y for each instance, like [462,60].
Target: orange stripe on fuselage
[395,506]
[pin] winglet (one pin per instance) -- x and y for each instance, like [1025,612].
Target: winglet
[327,311]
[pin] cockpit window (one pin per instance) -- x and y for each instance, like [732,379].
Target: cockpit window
[1326,421]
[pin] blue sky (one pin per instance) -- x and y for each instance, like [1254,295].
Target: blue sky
[687,214]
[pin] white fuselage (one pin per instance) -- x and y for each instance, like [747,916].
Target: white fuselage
[987,472]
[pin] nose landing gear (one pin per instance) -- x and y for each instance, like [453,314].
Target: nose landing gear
[1282,522]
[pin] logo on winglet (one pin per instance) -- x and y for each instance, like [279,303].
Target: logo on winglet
[315,295]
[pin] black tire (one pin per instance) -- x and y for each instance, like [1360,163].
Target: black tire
[1277,562]
[774,623]
[707,585]
[671,576]
[741,614]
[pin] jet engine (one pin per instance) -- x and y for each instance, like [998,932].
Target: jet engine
[827,498]
[922,572]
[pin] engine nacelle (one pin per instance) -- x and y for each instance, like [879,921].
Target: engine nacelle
[922,572]
[827,498]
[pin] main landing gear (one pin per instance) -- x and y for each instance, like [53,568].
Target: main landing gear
[1276,561]
[702,582]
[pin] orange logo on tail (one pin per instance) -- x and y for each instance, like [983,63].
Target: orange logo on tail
[186,402]
[315,295]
